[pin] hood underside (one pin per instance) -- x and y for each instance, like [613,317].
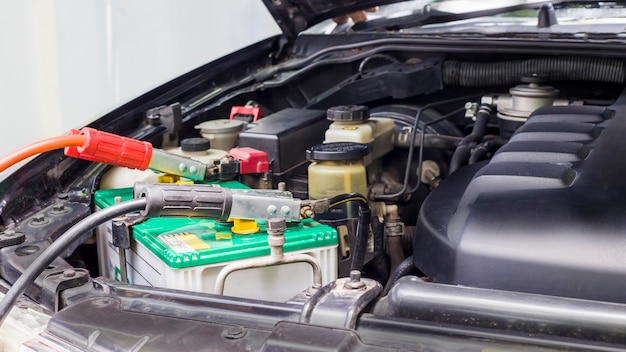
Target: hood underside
[294,16]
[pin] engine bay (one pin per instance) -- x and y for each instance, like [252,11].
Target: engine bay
[407,178]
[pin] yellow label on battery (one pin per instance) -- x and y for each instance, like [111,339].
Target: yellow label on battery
[194,242]
[184,242]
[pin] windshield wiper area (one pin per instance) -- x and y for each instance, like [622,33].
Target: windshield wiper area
[431,16]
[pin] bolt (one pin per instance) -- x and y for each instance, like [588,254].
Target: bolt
[182,167]
[63,196]
[285,210]
[272,210]
[39,220]
[355,282]
[69,273]
[193,170]
[233,333]
[101,302]
[59,209]
[282,186]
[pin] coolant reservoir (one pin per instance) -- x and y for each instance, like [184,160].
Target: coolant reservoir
[194,148]
[223,133]
[337,168]
[352,123]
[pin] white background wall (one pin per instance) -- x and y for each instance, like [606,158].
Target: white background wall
[65,62]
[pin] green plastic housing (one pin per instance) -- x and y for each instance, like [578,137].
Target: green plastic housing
[185,242]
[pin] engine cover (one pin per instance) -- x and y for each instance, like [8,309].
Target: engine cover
[546,215]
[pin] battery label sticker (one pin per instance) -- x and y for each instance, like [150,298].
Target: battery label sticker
[183,242]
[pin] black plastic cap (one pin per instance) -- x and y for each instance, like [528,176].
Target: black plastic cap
[348,113]
[535,78]
[195,144]
[338,151]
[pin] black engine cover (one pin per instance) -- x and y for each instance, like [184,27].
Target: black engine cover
[546,215]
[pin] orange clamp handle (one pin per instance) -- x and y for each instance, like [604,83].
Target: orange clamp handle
[111,149]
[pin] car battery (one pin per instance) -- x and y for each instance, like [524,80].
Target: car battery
[188,254]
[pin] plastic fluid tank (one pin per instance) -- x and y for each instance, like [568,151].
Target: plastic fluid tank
[352,123]
[223,133]
[337,168]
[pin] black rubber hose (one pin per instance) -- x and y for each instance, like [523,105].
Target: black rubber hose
[481,152]
[362,234]
[459,158]
[507,73]
[462,153]
[405,268]
[396,253]
[435,141]
[57,247]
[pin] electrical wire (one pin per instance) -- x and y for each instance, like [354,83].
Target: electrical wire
[349,197]
[39,147]
[418,115]
[57,247]
[376,56]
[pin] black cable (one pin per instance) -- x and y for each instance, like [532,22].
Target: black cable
[362,234]
[57,247]
[362,227]
[406,267]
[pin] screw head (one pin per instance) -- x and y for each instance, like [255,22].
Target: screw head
[69,273]
[233,333]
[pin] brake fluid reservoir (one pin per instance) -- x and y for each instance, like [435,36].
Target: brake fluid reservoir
[337,168]
[352,123]
[195,148]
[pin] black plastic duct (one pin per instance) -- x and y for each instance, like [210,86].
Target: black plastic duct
[506,73]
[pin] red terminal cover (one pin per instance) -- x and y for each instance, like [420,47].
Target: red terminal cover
[245,110]
[111,149]
[251,161]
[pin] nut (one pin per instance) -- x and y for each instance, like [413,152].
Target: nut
[276,224]
[355,282]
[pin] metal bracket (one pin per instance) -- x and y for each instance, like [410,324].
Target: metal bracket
[339,303]
[170,116]
[11,238]
[60,280]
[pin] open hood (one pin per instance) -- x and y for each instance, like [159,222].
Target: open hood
[294,16]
